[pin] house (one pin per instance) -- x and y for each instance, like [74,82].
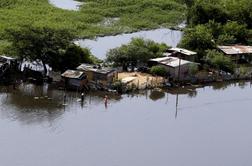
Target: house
[181,53]
[74,79]
[238,53]
[176,68]
[7,59]
[98,74]
[7,64]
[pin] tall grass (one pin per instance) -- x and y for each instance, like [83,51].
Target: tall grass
[133,15]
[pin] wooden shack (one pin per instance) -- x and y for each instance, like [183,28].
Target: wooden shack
[238,53]
[182,54]
[74,79]
[175,67]
[98,74]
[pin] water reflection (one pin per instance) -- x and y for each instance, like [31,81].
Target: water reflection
[156,95]
[36,104]
[223,85]
[213,123]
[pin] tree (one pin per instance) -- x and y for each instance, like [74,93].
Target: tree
[240,11]
[71,58]
[198,39]
[238,31]
[204,10]
[138,51]
[45,44]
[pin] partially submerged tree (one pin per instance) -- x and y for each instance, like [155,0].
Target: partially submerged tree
[138,51]
[50,46]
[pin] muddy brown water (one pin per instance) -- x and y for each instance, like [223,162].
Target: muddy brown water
[210,126]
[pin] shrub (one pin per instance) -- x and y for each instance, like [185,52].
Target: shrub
[193,69]
[158,70]
[219,61]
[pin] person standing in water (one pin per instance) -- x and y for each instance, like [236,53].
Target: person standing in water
[82,97]
[106,101]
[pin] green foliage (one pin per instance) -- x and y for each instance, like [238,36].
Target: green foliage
[158,70]
[193,68]
[50,46]
[197,38]
[119,86]
[134,15]
[239,10]
[202,11]
[137,51]
[205,36]
[73,56]
[219,61]
[230,33]
[237,31]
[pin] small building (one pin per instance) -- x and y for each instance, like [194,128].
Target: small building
[238,53]
[7,64]
[74,79]
[98,74]
[181,53]
[175,67]
[8,61]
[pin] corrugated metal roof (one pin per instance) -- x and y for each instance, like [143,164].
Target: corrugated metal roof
[171,61]
[93,68]
[236,49]
[183,51]
[72,74]
[7,57]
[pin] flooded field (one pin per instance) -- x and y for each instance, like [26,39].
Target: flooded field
[209,126]
[100,46]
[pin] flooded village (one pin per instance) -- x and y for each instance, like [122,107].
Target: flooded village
[171,95]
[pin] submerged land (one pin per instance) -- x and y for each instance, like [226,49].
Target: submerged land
[184,125]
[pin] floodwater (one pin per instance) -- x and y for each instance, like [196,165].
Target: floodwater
[101,45]
[66,4]
[209,126]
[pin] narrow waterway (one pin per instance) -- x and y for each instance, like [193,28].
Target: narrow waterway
[101,45]
[210,126]
[66,4]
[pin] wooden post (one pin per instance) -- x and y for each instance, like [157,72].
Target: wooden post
[179,69]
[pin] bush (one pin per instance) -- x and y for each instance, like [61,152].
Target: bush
[158,70]
[193,69]
[219,61]
[138,51]
[197,38]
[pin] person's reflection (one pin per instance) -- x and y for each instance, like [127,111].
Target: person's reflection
[176,113]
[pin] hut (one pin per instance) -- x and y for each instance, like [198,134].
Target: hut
[74,79]
[175,67]
[182,53]
[97,74]
[238,53]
